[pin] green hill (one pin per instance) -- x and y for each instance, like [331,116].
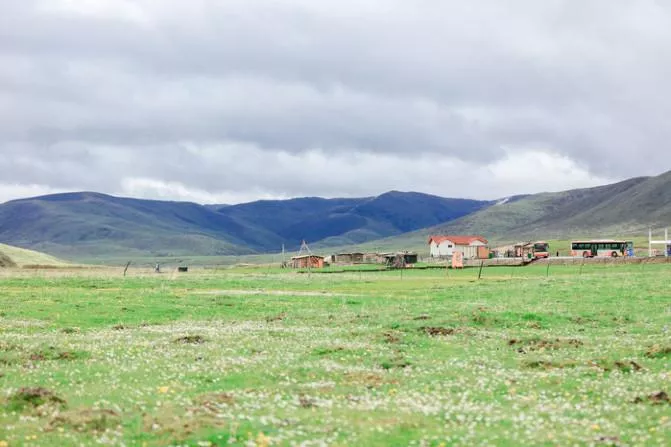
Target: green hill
[70,225]
[97,226]
[624,208]
[333,222]
[20,257]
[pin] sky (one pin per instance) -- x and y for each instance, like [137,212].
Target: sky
[227,101]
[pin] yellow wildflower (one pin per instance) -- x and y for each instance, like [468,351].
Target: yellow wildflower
[163,389]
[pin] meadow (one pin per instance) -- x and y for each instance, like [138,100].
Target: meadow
[263,357]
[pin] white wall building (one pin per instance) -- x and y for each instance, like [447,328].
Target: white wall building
[445,246]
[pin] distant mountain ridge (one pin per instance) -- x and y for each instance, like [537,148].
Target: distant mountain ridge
[92,224]
[627,207]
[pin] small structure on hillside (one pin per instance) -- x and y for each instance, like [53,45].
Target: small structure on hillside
[307,262]
[305,259]
[471,246]
[373,258]
[399,260]
[347,258]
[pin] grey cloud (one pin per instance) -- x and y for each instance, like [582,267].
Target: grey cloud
[96,95]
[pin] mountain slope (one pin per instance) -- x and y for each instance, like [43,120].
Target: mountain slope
[337,221]
[623,208]
[96,225]
[19,257]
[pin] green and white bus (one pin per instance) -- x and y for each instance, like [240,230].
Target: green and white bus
[602,248]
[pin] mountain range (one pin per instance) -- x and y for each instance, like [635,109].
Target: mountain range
[88,224]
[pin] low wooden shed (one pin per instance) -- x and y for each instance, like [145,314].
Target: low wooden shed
[348,258]
[307,261]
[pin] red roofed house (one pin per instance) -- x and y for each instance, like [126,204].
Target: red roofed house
[470,246]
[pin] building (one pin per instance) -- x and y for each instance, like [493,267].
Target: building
[348,258]
[470,246]
[518,250]
[400,259]
[307,261]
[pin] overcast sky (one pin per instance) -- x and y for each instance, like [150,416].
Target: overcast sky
[234,100]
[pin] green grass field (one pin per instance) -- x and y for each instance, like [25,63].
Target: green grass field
[267,357]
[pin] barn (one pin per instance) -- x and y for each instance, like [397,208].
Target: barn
[472,247]
[307,261]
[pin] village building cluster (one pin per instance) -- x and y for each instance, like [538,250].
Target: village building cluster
[455,249]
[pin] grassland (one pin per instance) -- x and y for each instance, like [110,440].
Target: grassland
[264,357]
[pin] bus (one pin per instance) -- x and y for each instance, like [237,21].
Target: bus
[541,249]
[602,248]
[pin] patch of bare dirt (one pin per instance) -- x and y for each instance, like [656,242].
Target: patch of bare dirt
[612,441]
[658,398]
[37,357]
[35,397]
[548,364]
[530,345]
[87,420]
[391,337]
[54,354]
[618,365]
[278,317]
[658,352]
[435,331]
[212,402]
[191,340]
[306,402]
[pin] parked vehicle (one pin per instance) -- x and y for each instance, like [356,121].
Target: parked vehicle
[540,249]
[602,248]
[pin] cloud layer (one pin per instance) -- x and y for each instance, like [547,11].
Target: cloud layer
[231,101]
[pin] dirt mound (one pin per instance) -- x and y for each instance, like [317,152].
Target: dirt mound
[35,397]
[93,420]
[391,337]
[659,398]
[658,352]
[278,317]
[625,366]
[435,331]
[548,364]
[524,346]
[191,340]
